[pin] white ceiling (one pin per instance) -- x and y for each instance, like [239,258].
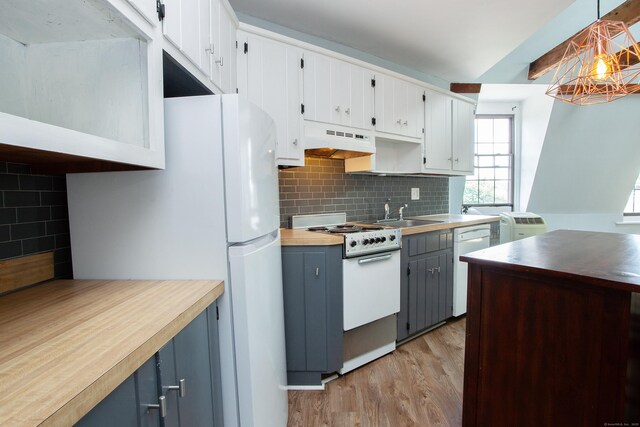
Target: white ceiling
[456,40]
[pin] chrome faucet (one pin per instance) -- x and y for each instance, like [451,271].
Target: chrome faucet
[401,209]
[386,209]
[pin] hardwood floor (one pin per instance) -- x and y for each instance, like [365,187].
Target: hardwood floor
[420,384]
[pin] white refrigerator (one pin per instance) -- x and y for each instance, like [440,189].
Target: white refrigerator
[213,213]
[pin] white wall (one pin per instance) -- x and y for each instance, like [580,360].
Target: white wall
[588,165]
[536,111]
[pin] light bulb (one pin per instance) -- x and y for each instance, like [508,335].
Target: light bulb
[601,67]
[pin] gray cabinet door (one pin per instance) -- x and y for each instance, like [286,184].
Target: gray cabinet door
[426,285]
[312,279]
[186,357]
[117,409]
[126,406]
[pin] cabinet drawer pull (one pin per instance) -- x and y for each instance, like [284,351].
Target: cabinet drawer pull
[295,141]
[209,50]
[337,109]
[399,121]
[431,270]
[220,61]
[317,271]
[405,123]
[348,111]
[160,406]
[181,388]
[437,269]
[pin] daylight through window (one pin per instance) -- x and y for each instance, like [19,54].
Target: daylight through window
[492,181]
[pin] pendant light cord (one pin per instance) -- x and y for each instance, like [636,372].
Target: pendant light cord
[598,6]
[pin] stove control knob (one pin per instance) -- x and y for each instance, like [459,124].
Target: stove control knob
[383,239]
[392,237]
[378,240]
[365,241]
[353,243]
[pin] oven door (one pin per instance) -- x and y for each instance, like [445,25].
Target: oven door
[371,288]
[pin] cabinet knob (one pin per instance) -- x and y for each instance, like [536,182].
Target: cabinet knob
[457,160]
[449,159]
[209,49]
[295,141]
[337,109]
[431,270]
[348,111]
[220,61]
[405,123]
[438,269]
[399,121]
[317,271]
[160,406]
[181,388]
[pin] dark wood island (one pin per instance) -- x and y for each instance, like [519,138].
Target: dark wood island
[553,332]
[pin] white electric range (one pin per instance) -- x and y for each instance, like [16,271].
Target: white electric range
[371,284]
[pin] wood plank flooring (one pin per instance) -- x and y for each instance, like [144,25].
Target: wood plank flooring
[420,384]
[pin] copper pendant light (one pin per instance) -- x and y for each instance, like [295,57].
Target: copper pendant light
[601,64]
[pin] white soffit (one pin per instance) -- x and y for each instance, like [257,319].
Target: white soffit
[456,40]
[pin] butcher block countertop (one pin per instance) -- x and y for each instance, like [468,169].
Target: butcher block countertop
[301,237]
[448,221]
[66,344]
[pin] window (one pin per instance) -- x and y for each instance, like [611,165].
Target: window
[633,205]
[492,181]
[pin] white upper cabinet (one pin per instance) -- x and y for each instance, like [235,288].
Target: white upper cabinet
[204,32]
[270,76]
[462,150]
[82,82]
[224,60]
[147,8]
[448,143]
[337,92]
[399,107]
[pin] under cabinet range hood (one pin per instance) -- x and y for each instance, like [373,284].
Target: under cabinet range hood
[336,142]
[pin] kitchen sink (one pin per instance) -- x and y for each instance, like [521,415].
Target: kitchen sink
[406,222]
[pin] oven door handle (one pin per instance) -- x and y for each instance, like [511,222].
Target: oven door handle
[374,259]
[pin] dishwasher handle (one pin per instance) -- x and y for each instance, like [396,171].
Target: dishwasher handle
[476,233]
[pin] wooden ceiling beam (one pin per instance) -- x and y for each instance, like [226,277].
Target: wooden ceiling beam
[465,87]
[628,12]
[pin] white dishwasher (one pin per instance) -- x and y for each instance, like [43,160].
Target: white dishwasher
[465,240]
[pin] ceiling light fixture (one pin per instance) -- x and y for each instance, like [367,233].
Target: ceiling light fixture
[601,64]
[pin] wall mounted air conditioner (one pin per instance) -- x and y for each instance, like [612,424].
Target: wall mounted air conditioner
[518,225]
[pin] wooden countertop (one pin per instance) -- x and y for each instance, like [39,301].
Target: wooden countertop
[607,260]
[448,221]
[301,237]
[66,344]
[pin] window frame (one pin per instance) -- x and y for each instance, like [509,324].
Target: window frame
[512,167]
[636,188]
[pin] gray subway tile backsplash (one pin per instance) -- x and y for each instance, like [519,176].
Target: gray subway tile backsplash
[321,186]
[34,216]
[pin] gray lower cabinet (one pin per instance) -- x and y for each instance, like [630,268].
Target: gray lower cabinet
[185,372]
[312,280]
[426,285]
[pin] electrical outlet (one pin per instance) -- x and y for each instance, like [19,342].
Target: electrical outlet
[415,194]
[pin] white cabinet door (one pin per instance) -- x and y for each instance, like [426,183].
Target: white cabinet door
[272,81]
[337,92]
[437,124]
[172,22]
[317,88]
[227,45]
[360,109]
[399,107]
[384,97]
[190,27]
[206,47]
[415,111]
[463,114]
[147,8]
